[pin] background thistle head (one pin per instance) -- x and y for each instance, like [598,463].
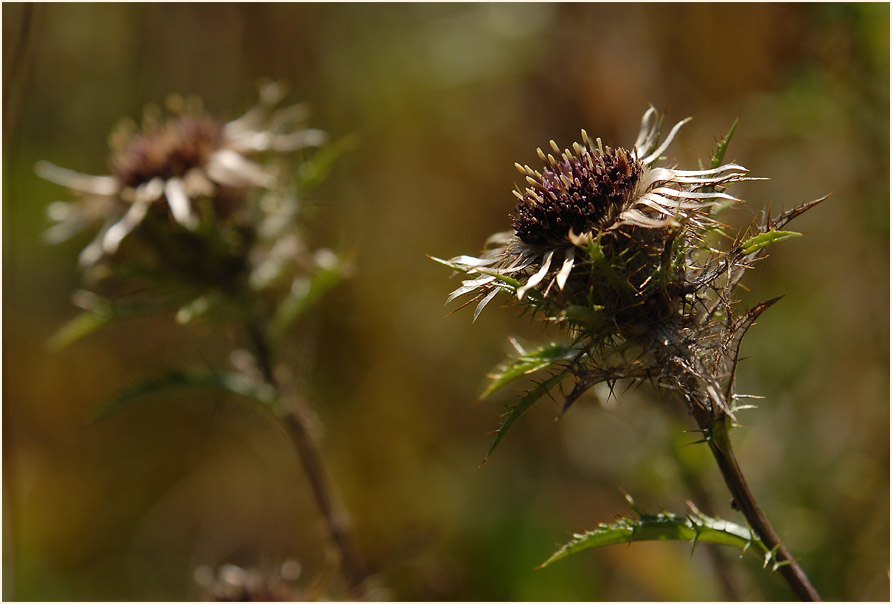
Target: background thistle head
[189,194]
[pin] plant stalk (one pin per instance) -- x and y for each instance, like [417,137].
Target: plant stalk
[720,444]
[295,422]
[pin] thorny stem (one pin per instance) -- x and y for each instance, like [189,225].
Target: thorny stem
[295,422]
[716,429]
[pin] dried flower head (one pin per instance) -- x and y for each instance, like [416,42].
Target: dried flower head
[622,253]
[595,193]
[169,164]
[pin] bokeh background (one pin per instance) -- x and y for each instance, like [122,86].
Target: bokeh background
[442,100]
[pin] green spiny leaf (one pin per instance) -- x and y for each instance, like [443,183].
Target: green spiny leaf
[195,379]
[102,312]
[593,248]
[523,364]
[317,167]
[521,406]
[79,327]
[304,293]
[719,156]
[447,263]
[514,283]
[763,239]
[695,527]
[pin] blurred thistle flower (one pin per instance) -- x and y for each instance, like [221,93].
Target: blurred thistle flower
[231,583]
[285,582]
[201,218]
[200,210]
[169,165]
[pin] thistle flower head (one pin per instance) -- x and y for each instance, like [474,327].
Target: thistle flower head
[616,199]
[200,215]
[168,150]
[169,164]
[617,248]
[585,189]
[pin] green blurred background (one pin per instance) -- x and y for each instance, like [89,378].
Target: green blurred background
[443,99]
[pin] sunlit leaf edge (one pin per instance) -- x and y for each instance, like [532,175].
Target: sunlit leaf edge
[694,528]
[521,406]
[525,364]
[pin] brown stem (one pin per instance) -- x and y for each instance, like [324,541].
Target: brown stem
[352,566]
[295,422]
[720,444]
